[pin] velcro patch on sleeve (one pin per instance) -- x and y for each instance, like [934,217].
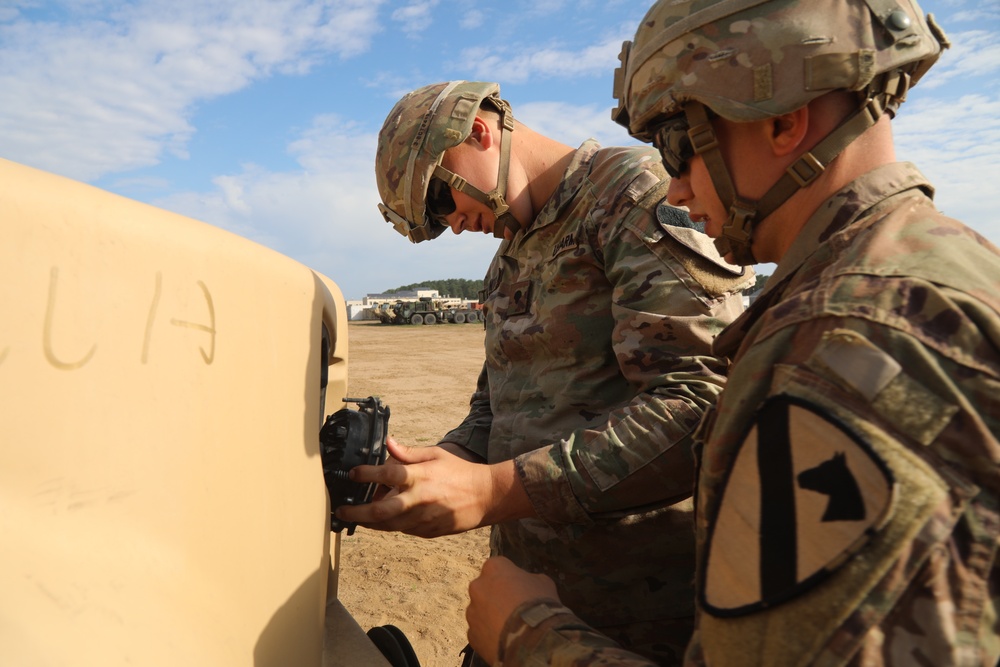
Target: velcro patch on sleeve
[856,362]
[845,357]
[803,494]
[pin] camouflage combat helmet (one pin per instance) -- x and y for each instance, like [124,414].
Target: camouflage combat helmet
[417,132]
[748,60]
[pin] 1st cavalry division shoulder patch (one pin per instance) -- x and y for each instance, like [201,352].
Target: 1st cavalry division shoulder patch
[802,496]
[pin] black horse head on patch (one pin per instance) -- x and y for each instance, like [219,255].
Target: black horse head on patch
[834,479]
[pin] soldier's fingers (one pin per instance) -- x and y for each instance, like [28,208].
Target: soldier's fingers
[403,517]
[379,514]
[388,475]
[382,491]
[406,454]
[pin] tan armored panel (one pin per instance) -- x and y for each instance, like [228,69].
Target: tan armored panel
[161,494]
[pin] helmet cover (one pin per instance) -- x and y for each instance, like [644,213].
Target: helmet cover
[416,133]
[748,60]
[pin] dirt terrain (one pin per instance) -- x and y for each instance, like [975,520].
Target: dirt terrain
[425,374]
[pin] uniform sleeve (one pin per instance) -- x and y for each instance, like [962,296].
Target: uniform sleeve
[664,323]
[547,633]
[474,431]
[892,424]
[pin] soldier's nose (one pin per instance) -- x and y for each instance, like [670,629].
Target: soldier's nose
[455,222]
[679,191]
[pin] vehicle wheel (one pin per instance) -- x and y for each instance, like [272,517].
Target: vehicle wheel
[474,316]
[430,319]
[417,319]
[394,645]
[459,318]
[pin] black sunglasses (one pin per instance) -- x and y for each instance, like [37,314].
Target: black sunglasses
[439,200]
[674,144]
[673,140]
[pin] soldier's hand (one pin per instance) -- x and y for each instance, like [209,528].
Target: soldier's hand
[461,452]
[381,491]
[499,590]
[434,492]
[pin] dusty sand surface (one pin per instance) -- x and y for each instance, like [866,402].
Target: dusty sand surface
[425,374]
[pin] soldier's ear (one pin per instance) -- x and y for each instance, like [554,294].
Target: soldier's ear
[482,133]
[789,130]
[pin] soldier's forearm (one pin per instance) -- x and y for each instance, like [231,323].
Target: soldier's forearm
[509,499]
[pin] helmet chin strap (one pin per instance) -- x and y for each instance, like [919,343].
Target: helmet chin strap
[736,233]
[745,214]
[496,198]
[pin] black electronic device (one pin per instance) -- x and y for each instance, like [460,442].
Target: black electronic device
[350,438]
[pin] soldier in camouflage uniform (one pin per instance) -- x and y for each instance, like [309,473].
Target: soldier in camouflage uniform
[847,498]
[600,308]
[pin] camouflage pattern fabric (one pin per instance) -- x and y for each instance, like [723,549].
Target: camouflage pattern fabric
[884,319]
[599,325]
[546,633]
[750,61]
[418,130]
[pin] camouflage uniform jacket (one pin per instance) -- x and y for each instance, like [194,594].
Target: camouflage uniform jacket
[599,324]
[848,488]
[876,350]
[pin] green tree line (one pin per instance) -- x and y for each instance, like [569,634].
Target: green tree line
[453,287]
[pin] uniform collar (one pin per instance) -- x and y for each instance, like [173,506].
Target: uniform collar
[837,213]
[844,208]
[572,180]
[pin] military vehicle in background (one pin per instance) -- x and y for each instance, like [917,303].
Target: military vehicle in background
[426,310]
[162,491]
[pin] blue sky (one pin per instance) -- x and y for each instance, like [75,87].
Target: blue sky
[261,116]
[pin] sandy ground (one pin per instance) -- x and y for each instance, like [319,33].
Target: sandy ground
[425,374]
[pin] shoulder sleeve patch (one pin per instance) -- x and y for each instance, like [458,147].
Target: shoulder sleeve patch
[803,495]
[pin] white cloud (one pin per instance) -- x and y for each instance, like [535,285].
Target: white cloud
[108,94]
[973,53]
[572,124]
[517,64]
[391,86]
[416,17]
[981,11]
[472,18]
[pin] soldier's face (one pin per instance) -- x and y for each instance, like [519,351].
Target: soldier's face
[470,215]
[694,189]
[479,167]
[744,151]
